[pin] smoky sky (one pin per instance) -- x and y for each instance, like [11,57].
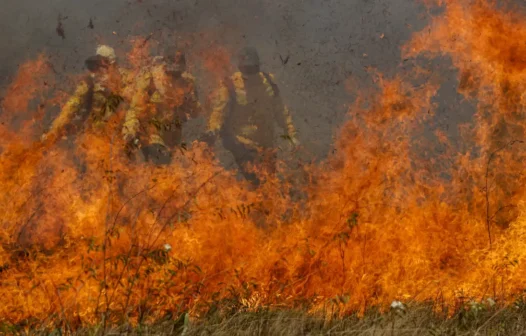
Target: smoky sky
[324,42]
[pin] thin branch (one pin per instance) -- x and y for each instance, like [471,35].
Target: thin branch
[488,216]
[165,225]
[105,243]
[62,307]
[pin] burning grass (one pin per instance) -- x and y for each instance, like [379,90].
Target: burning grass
[86,238]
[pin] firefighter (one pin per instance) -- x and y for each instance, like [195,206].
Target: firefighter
[96,97]
[244,110]
[164,100]
[95,100]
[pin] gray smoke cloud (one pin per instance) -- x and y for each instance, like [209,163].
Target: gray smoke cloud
[312,46]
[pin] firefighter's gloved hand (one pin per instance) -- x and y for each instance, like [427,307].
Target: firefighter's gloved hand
[131,142]
[294,141]
[131,145]
[157,154]
[209,138]
[128,137]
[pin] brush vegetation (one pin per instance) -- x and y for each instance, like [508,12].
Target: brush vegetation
[420,319]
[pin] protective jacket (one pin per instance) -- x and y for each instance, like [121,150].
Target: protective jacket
[159,107]
[245,108]
[95,99]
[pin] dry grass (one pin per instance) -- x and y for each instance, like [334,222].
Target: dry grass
[416,320]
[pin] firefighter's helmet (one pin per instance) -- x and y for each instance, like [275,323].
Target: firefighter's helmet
[96,63]
[107,52]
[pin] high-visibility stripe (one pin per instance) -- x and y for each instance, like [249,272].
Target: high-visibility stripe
[268,86]
[291,130]
[156,139]
[246,141]
[159,78]
[219,104]
[249,129]
[137,105]
[239,87]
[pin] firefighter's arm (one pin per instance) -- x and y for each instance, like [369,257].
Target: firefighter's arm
[284,119]
[127,83]
[196,105]
[288,124]
[72,106]
[138,104]
[283,116]
[219,103]
[196,108]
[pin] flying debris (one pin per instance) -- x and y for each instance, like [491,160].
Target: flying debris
[60,28]
[285,60]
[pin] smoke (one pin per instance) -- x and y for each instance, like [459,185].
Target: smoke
[326,43]
[379,221]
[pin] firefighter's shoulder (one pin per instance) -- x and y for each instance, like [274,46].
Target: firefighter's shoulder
[75,100]
[82,87]
[237,76]
[232,79]
[237,80]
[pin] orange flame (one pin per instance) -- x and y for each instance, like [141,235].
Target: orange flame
[376,222]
